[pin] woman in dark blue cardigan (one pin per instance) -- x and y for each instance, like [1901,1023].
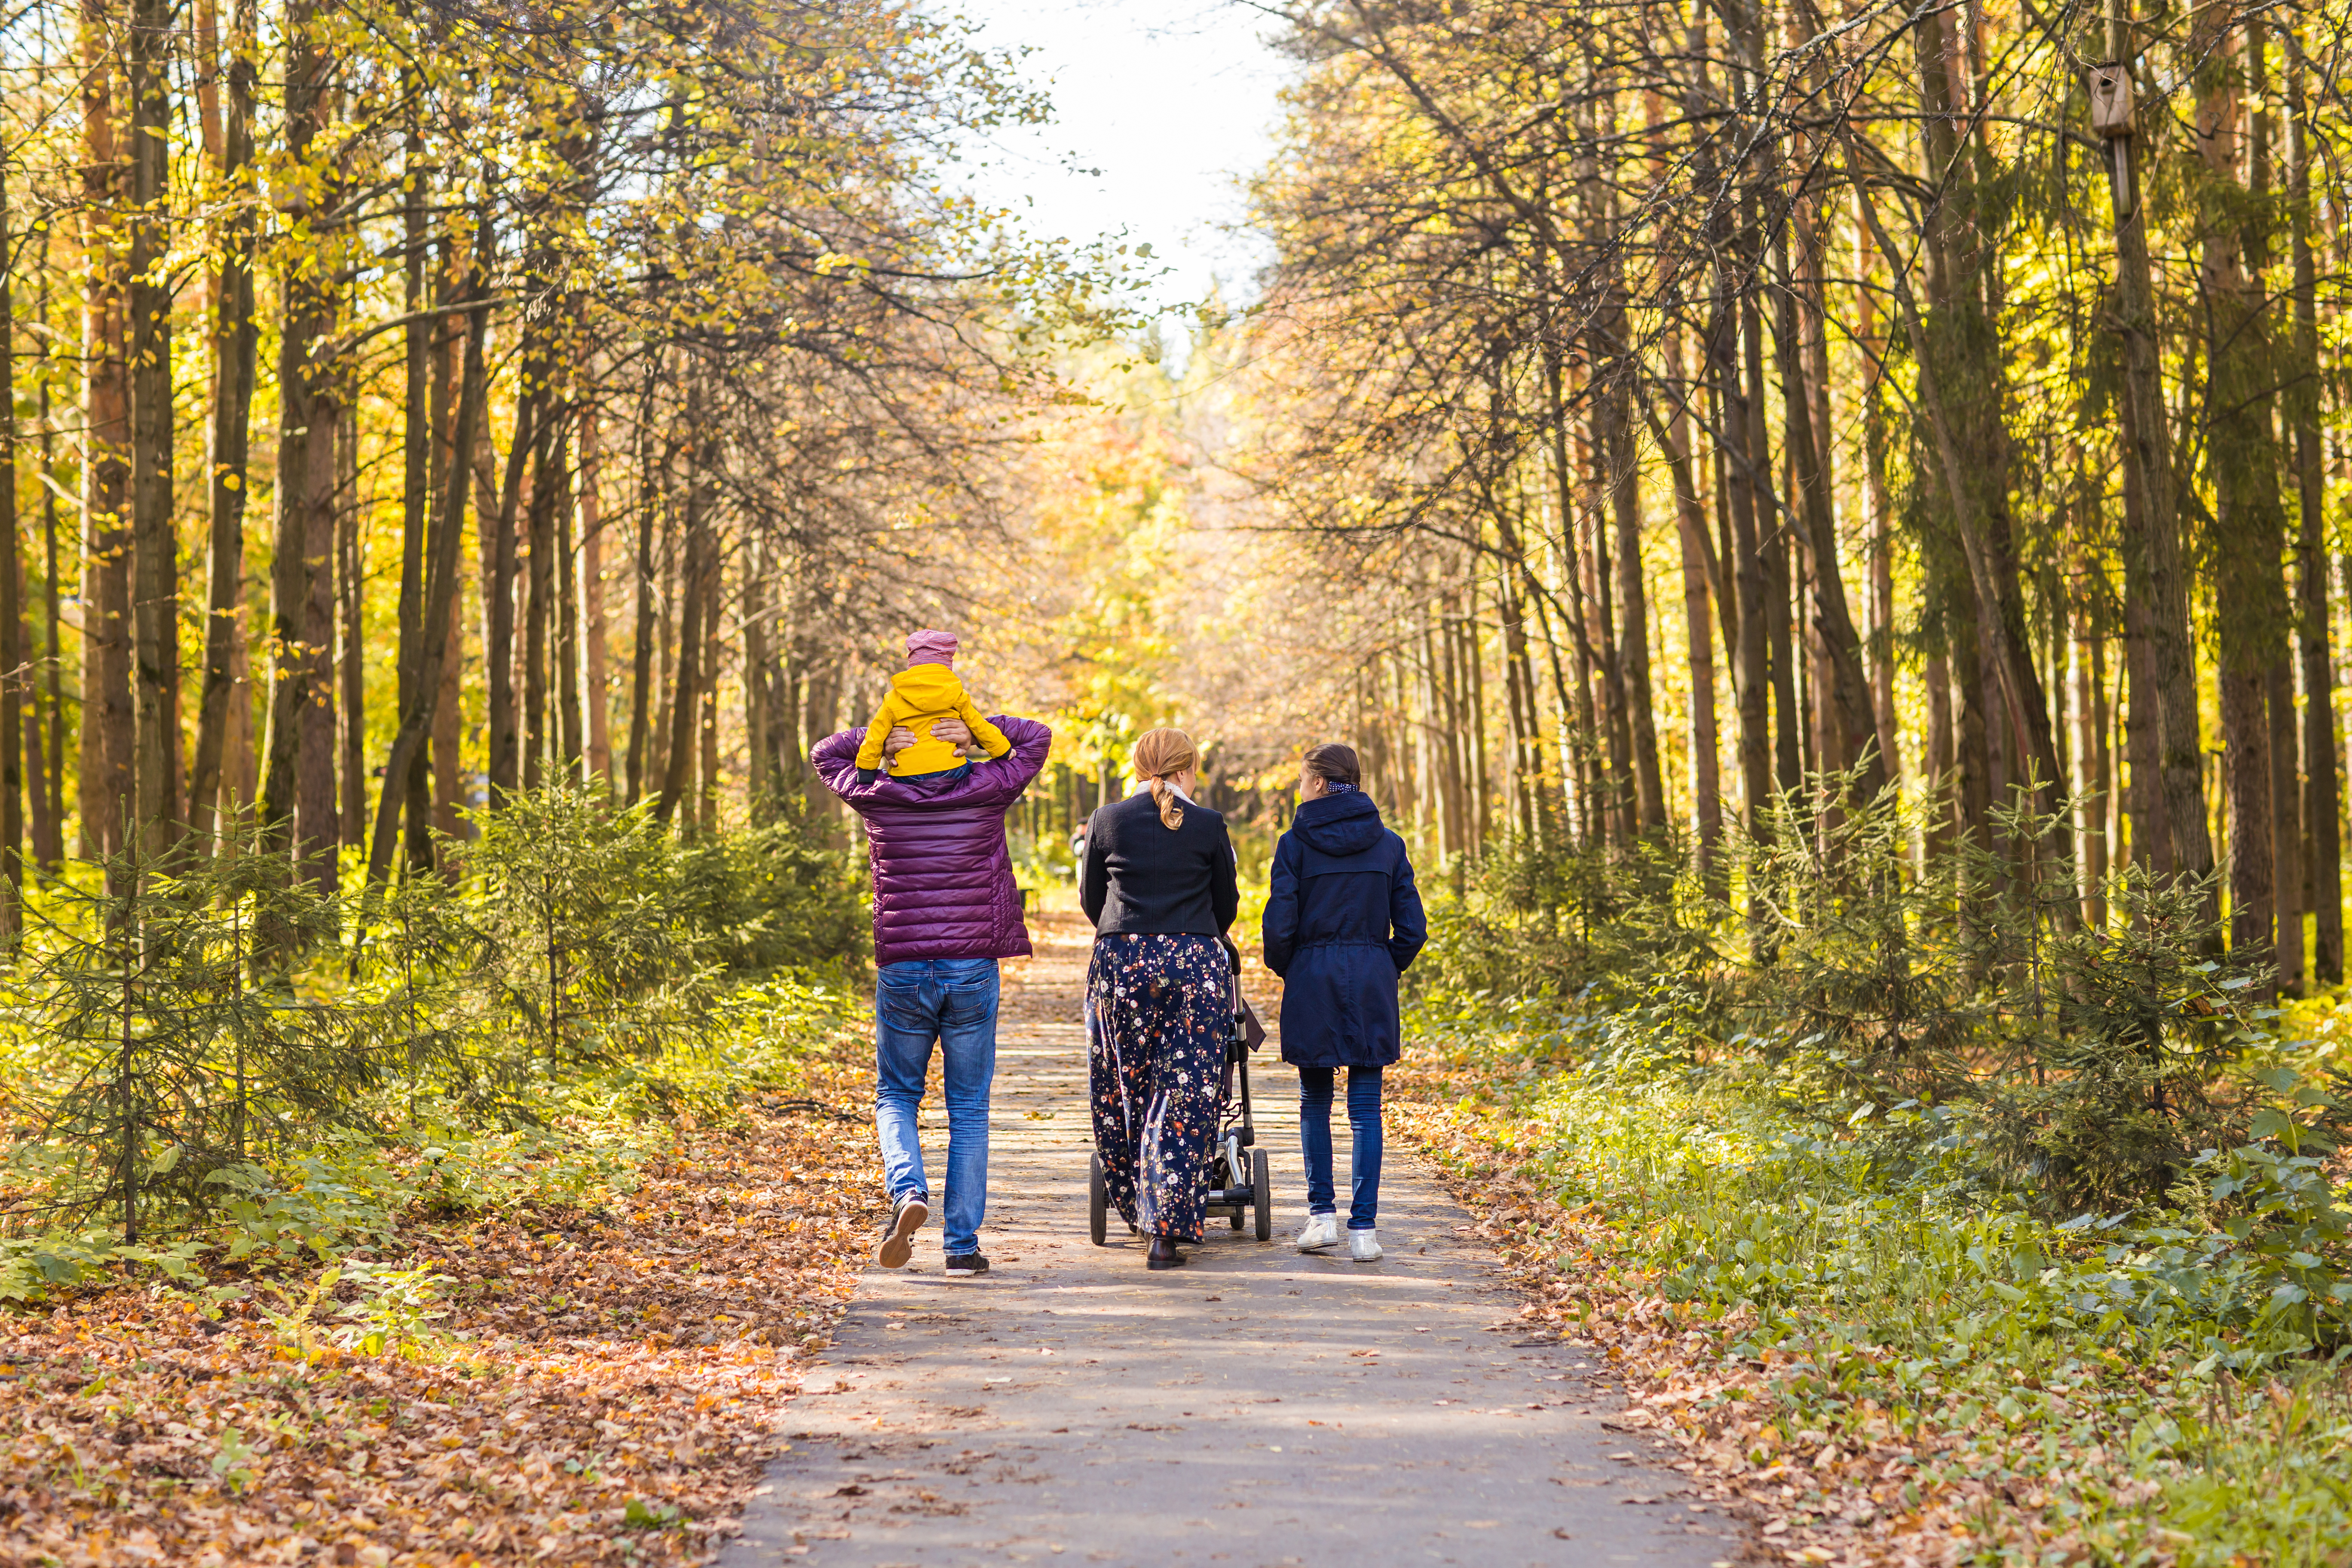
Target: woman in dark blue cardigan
[1342,921]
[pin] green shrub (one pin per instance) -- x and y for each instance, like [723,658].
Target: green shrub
[198,1045]
[2085,1067]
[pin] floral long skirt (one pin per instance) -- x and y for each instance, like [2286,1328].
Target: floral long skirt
[1158,1011]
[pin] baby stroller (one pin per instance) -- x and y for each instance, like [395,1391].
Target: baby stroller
[1244,1177]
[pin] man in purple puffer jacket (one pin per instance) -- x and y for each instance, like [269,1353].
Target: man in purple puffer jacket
[945,911]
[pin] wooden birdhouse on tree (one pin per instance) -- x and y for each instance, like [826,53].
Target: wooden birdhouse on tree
[2111,99]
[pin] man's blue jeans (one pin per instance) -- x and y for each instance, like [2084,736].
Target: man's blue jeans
[1315,1140]
[951,1002]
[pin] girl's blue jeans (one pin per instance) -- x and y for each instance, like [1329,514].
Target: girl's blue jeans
[1315,1140]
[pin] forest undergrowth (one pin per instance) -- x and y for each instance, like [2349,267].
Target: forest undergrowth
[1924,1228]
[491,1228]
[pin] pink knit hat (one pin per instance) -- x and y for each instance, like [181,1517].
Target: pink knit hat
[931,647]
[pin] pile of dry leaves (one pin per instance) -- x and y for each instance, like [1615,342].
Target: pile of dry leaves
[552,1387]
[1854,1499]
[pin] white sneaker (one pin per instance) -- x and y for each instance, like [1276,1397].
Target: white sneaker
[1322,1230]
[1363,1246]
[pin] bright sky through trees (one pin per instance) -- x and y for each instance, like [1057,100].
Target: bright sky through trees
[1160,109]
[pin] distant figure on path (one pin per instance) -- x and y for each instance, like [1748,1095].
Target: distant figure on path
[1342,920]
[945,909]
[1158,882]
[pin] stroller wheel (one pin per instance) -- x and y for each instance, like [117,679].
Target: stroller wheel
[1237,1218]
[1262,1189]
[1098,1200]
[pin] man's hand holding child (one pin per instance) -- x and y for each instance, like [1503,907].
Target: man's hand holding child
[951,729]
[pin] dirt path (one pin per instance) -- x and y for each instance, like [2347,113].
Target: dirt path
[1255,1406]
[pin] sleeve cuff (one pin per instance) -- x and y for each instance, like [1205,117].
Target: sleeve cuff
[867,775]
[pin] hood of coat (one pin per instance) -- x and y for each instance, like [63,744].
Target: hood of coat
[932,687]
[1340,824]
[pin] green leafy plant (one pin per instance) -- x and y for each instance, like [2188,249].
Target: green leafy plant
[643,1515]
[396,1311]
[237,1461]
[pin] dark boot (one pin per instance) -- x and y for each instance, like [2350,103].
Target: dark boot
[1163,1253]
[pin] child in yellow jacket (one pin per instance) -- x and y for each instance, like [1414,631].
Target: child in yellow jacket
[923,693]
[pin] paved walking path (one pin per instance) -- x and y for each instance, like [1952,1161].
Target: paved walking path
[1257,1406]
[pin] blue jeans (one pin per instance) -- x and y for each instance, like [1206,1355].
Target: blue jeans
[951,1002]
[1315,1140]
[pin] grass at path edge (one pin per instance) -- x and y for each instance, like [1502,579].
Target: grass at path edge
[1872,1375]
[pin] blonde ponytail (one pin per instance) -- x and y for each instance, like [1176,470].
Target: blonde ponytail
[1160,756]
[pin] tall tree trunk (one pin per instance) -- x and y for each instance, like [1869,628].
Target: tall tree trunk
[707,797]
[350,641]
[2286,782]
[1960,393]
[1941,787]
[1615,734]
[499,577]
[2152,839]
[2322,796]
[155,772]
[1624,646]
[1470,632]
[2245,732]
[538,620]
[1577,754]
[1600,627]
[1968,448]
[1633,641]
[2286,825]
[298,788]
[2091,756]
[650,498]
[449,474]
[236,341]
[1973,732]
[2251,610]
[14,684]
[1750,668]
[106,726]
[686,685]
[1438,656]
[50,827]
[567,629]
[1702,591]
[760,784]
[668,600]
[1772,548]
[595,648]
[442,560]
[2155,571]
[1878,529]
[448,729]
[418,463]
[1849,716]
[240,779]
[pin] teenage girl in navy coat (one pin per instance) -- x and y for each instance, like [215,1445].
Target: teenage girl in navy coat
[1342,921]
